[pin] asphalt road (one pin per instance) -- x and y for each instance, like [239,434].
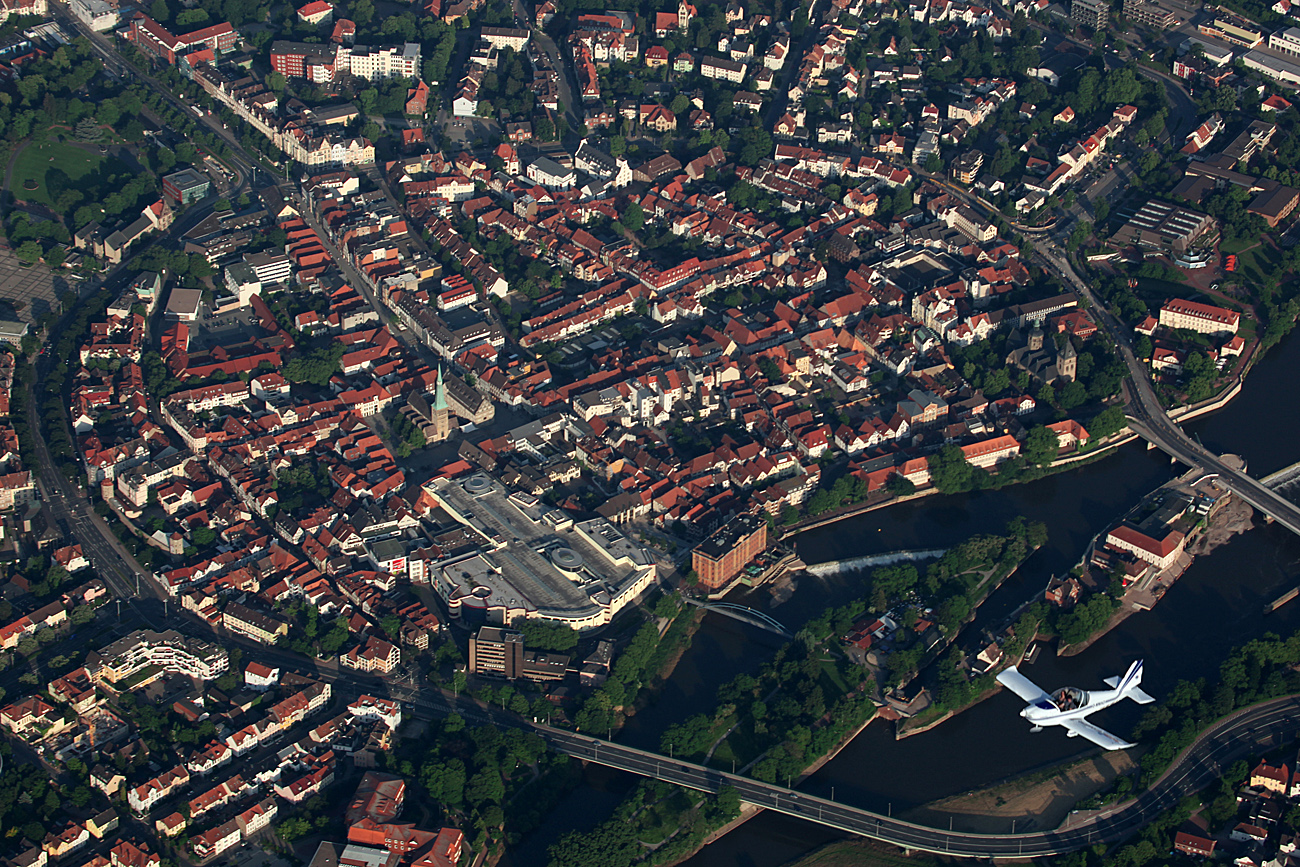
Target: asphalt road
[1264,726]
[572,115]
[115,63]
[1149,419]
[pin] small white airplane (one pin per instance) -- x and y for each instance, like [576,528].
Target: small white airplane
[1069,705]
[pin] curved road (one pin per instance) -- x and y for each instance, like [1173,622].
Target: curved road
[240,161]
[1149,420]
[1264,725]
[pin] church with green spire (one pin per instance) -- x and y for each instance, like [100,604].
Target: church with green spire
[439,413]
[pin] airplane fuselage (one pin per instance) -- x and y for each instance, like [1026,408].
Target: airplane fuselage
[1070,706]
[1069,703]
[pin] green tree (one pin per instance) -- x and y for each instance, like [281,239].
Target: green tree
[192,18]
[29,252]
[1109,421]
[335,638]
[552,637]
[949,470]
[1041,446]
[486,786]
[633,217]
[392,625]
[1101,210]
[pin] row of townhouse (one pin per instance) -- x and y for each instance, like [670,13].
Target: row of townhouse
[144,797]
[252,821]
[301,138]
[1075,160]
[49,616]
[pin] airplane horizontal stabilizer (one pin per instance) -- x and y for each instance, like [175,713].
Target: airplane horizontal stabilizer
[1138,695]
[1112,682]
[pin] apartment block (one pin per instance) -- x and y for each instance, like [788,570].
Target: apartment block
[723,555]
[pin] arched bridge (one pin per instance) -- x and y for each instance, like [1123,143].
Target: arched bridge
[744,615]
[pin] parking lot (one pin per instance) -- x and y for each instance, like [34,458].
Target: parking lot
[223,329]
[463,130]
[33,291]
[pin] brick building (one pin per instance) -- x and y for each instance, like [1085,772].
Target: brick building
[720,557]
[152,38]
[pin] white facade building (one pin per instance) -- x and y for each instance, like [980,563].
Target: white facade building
[378,63]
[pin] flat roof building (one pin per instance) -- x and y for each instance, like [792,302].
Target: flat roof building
[724,554]
[186,186]
[168,651]
[1238,32]
[1094,13]
[1166,227]
[1150,13]
[1274,67]
[495,651]
[501,653]
[533,561]
[184,304]
[12,332]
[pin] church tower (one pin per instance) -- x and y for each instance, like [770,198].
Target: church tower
[439,412]
[1067,361]
[1036,339]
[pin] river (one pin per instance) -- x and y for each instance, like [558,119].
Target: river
[1215,606]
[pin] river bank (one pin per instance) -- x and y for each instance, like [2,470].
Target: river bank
[1218,599]
[1094,452]
[920,724]
[1068,462]
[1035,801]
[647,694]
[862,853]
[1232,518]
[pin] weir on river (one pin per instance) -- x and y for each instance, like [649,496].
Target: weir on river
[856,564]
[1215,606]
[1282,478]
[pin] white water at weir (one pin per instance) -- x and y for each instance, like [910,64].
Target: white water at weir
[853,564]
[1283,478]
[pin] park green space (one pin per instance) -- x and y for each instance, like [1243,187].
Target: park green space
[37,160]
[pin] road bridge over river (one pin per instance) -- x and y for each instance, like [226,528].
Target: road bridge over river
[1263,726]
[1148,419]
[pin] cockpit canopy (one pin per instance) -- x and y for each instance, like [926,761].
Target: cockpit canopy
[1069,698]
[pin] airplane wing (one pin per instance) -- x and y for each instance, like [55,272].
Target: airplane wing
[1098,736]
[1022,686]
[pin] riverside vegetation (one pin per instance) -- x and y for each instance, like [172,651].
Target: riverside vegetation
[799,707]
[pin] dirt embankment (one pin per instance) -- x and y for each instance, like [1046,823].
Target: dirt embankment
[1037,801]
[1235,517]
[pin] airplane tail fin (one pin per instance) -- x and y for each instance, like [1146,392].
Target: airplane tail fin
[1131,685]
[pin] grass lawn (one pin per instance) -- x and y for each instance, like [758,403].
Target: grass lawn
[1258,263]
[35,162]
[1150,288]
[1236,246]
[833,684]
[740,746]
